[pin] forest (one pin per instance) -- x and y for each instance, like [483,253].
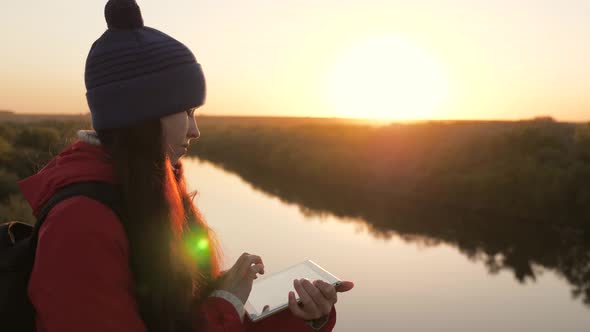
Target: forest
[535,171]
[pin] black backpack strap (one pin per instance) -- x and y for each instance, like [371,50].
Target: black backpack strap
[105,193]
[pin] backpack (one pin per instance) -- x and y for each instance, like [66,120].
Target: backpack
[18,243]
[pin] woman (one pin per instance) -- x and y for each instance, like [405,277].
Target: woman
[94,273]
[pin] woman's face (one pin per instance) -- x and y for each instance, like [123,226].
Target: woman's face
[178,130]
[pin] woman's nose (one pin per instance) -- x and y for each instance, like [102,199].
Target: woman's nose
[193,131]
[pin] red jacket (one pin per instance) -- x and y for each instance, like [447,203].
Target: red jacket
[81,280]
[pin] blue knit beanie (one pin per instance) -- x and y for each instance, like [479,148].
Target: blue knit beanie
[135,73]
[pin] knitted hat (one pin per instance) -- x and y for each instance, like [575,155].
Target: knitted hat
[134,73]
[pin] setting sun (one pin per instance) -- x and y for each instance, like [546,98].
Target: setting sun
[386,77]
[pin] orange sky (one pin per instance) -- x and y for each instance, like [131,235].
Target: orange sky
[488,59]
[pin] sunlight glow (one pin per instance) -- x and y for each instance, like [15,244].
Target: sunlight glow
[387,77]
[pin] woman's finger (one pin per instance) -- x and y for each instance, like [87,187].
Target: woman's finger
[345,286]
[239,262]
[255,269]
[327,289]
[241,258]
[309,305]
[295,309]
[254,259]
[322,303]
[244,268]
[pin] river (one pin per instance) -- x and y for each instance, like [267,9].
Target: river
[400,285]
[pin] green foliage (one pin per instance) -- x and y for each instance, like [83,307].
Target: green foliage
[40,138]
[5,149]
[7,131]
[7,184]
[582,142]
[25,147]
[16,209]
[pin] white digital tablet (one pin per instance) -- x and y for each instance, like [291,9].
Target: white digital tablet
[273,290]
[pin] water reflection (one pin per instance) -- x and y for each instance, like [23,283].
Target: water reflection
[420,284]
[499,242]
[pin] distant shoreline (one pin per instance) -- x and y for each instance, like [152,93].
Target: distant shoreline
[7,115]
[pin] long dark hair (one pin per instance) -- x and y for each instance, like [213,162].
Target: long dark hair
[162,223]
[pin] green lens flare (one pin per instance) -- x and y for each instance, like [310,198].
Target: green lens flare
[203,244]
[197,245]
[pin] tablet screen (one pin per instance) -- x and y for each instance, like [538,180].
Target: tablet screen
[274,289]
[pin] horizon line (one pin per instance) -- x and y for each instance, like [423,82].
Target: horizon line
[540,117]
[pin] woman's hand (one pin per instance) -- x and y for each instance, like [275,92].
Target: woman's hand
[317,298]
[238,279]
